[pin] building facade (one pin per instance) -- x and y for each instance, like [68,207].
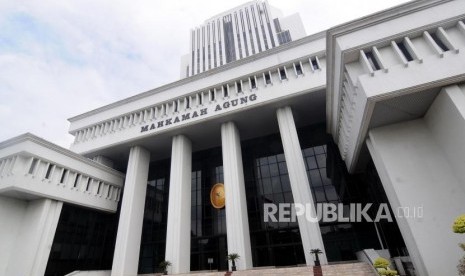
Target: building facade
[241,32]
[368,112]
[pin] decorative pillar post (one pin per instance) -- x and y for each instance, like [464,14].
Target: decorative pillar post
[301,192]
[126,257]
[178,239]
[237,222]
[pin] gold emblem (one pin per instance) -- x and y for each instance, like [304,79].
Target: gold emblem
[217,196]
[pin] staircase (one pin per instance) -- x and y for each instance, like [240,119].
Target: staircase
[345,269]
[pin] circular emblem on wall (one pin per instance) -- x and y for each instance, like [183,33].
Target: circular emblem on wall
[217,197]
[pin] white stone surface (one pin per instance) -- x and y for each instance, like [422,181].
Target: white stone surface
[416,172]
[178,231]
[309,231]
[29,240]
[127,247]
[32,168]
[237,222]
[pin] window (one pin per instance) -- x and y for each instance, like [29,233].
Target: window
[187,99]
[314,64]
[49,171]
[88,184]
[267,77]
[175,106]
[439,42]
[253,83]
[225,91]
[284,37]
[99,187]
[76,180]
[33,166]
[282,73]
[212,95]
[200,98]
[372,60]
[298,69]
[63,175]
[404,51]
[239,86]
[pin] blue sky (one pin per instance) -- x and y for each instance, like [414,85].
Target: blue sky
[62,58]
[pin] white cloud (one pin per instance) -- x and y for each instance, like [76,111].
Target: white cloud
[62,58]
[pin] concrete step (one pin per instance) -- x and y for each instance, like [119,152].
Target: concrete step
[345,269]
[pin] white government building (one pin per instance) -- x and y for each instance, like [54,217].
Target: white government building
[370,111]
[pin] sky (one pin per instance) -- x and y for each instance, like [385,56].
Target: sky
[62,58]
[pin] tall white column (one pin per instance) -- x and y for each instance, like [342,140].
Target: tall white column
[34,238]
[178,242]
[126,258]
[237,222]
[301,192]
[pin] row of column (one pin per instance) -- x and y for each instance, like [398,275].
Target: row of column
[126,257]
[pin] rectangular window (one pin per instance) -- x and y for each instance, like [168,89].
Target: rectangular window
[76,180]
[253,83]
[175,106]
[314,64]
[33,166]
[404,51]
[282,73]
[110,189]
[200,98]
[298,69]
[88,184]
[225,90]
[267,77]
[439,42]
[239,86]
[63,175]
[188,102]
[49,171]
[372,60]
[212,95]
[99,187]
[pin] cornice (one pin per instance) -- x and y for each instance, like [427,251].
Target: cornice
[208,73]
[352,26]
[29,137]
